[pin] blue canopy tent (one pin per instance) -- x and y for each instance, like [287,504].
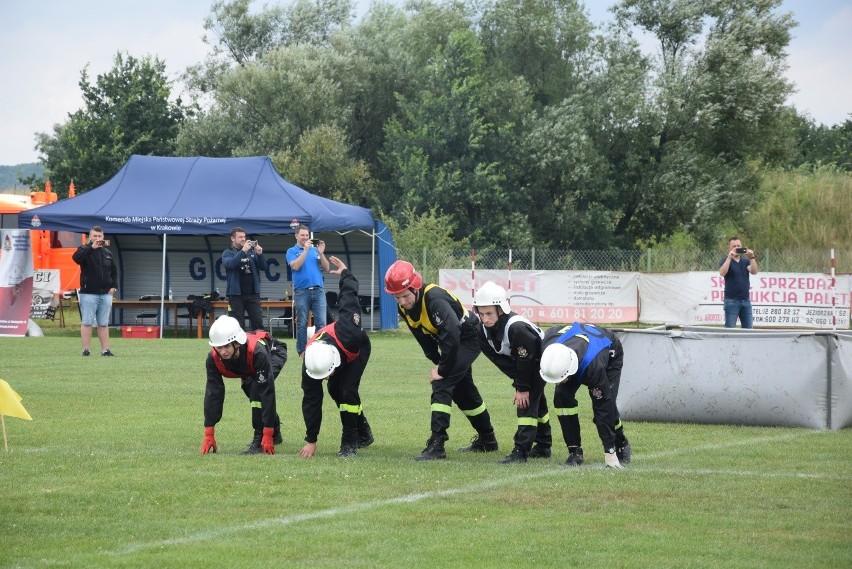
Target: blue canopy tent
[155,195]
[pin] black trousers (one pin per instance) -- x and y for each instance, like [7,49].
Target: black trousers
[239,305]
[458,388]
[534,422]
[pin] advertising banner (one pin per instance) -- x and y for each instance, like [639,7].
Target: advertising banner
[556,296]
[779,300]
[16,281]
[45,287]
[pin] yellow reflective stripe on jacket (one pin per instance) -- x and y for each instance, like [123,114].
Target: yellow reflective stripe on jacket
[441,408]
[355,409]
[424,322]
[566,410]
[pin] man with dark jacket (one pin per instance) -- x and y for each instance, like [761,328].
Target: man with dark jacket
[446,332]
[584,354]
[256,359]
[513,344]
[98,282]
[243,262]
[338,352]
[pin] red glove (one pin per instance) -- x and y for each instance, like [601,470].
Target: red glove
[209,441]
[266,442]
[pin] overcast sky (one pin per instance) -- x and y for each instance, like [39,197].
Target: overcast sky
[46,43]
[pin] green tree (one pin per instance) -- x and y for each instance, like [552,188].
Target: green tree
[719,93]
[442,148]
[322,164]
[126,111]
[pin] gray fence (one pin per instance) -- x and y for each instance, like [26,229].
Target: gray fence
[429,261]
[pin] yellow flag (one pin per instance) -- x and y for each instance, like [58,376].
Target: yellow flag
[10,403]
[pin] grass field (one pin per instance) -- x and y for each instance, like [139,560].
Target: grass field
[109,474]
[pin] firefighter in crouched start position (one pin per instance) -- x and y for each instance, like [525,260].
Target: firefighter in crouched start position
[257,359]
[513,344]
[583,354]
[447,333]
[338,352]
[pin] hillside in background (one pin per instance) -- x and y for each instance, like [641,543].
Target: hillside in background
[9,176]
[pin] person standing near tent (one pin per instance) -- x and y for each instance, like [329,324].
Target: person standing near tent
[307,262]
[583,354]
[447,334]
[257,359]
[513,344]
[243,262]
[98,282]
[338,352]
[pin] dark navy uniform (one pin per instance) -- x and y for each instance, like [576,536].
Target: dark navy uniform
[346,335]
[447,333]
[601,358]
[514,345]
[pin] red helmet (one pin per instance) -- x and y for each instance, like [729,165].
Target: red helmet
[401,276]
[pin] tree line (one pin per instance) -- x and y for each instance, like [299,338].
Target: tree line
[511,123]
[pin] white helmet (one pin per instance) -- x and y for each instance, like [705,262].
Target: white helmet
[225,330]
[321,359]
[558,361]
[492,294]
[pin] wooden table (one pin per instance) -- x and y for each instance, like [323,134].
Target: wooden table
[153,306]
[223,304]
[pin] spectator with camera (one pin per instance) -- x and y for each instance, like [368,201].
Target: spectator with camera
[307,262]
[736,268]
[98,282]
[243,262]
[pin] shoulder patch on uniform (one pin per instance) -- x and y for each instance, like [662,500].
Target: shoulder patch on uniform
[437,319]
[261,377]
[522,352]
[356,318]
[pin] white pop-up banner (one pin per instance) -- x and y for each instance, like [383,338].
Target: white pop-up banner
[555,296]
[16,281]
[779,300]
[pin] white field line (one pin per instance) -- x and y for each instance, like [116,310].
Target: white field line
[640,467]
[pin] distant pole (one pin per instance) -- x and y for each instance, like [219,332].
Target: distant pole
[510,270]
[833,293]
[472,273]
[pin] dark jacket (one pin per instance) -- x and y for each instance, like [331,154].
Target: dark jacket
[231,259]
[98,272]
[522,363]
[452,322]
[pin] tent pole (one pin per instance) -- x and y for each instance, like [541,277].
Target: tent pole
[373,280]
[163,287]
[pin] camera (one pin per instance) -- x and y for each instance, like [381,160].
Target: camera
[742,250]
[252,243]
[102,242]
[315,242]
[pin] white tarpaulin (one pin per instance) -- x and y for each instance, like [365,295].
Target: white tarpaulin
[556,296]
[711,375]
[783,300]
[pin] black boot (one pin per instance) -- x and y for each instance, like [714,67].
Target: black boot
[482,442]
[539,451]
[254,446]
[434,448]
[575,456]
[518,455]
[365,433]
[624,452]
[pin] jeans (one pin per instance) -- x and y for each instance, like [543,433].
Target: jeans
[734,308]
[305,299]
[95,309]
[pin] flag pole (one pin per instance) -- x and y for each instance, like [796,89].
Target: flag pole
[5,440]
